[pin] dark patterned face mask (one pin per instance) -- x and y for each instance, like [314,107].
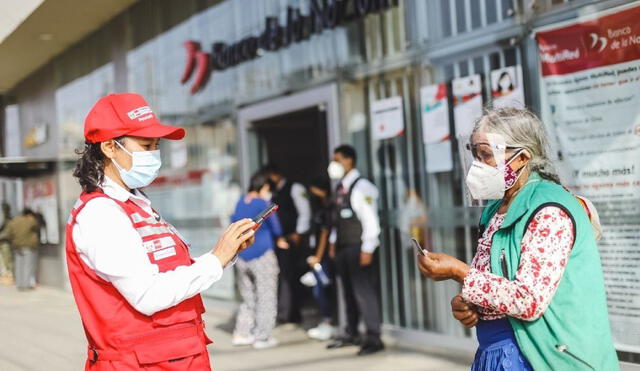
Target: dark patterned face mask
[511,176]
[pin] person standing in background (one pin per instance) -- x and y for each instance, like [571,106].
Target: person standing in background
[319,261]
[257,270]
[23,234]
[6,255]
[295,218]
[357,238]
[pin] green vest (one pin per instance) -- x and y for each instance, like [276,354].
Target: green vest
[573,333]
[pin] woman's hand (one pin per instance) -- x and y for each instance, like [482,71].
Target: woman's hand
[313,260]
[282,243]
[466,313]
[237,237]
[440,267]
[248,243]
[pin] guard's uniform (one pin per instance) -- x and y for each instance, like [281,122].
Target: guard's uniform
[357,230]
[119,336]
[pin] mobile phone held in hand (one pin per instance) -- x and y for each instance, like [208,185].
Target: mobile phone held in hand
[419,248]
[260,218]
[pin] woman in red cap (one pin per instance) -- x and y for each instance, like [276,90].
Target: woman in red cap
[136,286]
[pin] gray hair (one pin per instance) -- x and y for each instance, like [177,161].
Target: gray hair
[521,128]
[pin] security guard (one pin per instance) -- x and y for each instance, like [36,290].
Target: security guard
[357,231]
[136,286]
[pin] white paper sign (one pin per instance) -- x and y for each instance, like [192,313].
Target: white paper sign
[507,88]
[467,100]
[387,118]
[435,128]
[435,113]
[439,157]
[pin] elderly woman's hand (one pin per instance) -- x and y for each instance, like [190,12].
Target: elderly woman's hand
[464,312]
[440,267]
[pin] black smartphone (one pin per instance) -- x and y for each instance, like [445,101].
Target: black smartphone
[419,248]
[264,214]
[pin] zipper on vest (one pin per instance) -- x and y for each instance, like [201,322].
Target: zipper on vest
[565,349]
[503,262]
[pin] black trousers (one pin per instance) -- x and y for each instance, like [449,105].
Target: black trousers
[361,290]
[291,293]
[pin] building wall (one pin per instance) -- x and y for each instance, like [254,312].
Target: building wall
[37,109]
[393,53]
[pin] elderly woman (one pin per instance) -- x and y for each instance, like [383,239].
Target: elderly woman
[535,288]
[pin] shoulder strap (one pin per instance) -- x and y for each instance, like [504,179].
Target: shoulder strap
[551,204]
[86,197]
[353,185]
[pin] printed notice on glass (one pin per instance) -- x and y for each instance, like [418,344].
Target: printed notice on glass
[507,88]
[591,103]
[387,118]
[467,103]
[435,128]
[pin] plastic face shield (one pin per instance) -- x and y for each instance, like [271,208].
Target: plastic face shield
[487,148]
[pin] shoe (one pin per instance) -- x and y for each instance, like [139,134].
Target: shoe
[289,326]
[323,332]
[239,340]
[370,347]
[6,280]
[343,341]
[265,344]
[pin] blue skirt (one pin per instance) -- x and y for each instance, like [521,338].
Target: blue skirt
[498,348]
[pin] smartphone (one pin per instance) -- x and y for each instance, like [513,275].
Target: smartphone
[260,218]
[419,248]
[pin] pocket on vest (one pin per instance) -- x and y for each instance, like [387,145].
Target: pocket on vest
[174,349]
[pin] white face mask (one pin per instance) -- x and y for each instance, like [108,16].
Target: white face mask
[335,170]
[486,182]
[145,166]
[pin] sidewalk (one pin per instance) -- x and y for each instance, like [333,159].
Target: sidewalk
[41,330]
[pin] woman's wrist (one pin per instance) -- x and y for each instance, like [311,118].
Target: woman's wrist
[223,258]
[461,272]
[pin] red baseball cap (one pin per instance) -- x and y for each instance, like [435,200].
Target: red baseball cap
[123,114]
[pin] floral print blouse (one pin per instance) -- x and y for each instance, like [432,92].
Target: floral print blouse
[546,246]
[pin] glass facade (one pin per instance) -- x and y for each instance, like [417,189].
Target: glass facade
[386,54]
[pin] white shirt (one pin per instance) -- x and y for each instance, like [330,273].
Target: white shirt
[109,244]
[364,202]
[302,204]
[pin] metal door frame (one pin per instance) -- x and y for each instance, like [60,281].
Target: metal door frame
[325,96]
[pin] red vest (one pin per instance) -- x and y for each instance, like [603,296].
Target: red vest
[121,338]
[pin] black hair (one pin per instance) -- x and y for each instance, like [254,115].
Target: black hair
[321,182]
[90,167]
[259,180]
[272,168]
[507,74]
[347,151]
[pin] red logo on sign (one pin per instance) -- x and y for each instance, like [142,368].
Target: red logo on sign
[196,60]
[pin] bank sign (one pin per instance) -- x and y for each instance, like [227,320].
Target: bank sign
[323,14]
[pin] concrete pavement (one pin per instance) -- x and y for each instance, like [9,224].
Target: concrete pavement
[41,330]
